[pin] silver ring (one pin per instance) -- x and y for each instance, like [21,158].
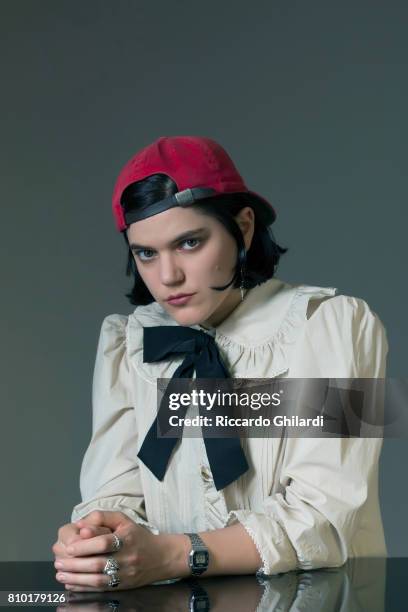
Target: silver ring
[111,566]
[113,580]
[117,543]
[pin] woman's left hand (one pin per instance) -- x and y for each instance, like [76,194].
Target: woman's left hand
[143,557]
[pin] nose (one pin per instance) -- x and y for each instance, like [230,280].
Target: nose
[170,271]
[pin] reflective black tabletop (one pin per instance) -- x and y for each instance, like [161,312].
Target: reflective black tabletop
[375,585]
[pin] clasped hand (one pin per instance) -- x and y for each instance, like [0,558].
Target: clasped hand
[84,547]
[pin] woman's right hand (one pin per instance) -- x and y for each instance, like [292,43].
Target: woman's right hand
[71,532]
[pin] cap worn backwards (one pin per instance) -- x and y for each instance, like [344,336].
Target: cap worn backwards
[199,166]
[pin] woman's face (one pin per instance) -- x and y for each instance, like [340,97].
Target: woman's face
[181,251]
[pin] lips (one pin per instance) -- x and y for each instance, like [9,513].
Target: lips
[180,299]
[179,295]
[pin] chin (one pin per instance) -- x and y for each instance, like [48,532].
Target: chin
[187,318]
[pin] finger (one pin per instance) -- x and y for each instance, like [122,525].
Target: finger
[93,581]
[95,517]
[92,546]
[104,518]
[82,565]
[67,538]
[91,531]
[60,551]
[59,548]
[64,539]
[88,522]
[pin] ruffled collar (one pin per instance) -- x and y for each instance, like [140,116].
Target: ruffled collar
[256,320]
[256,339]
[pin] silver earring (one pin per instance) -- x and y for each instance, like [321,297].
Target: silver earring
[242,284]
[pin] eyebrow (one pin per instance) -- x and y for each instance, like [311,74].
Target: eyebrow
[133,246]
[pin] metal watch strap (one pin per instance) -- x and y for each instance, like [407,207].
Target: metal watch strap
[196,540]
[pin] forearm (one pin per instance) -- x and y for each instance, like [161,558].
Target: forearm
[232,551]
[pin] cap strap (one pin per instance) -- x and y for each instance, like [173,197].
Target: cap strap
[181,198]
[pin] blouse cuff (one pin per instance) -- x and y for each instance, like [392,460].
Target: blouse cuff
[269,539]
[83,510]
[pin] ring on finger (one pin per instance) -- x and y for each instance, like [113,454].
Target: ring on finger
[117,542]
[113,579]
[111,566]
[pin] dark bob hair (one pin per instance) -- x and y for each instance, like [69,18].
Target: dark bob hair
[258,264]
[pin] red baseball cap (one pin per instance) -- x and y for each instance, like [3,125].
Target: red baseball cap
[199,166]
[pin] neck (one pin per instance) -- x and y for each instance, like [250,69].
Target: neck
[225,310]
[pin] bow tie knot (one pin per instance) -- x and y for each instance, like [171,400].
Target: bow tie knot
[203,342]
[201,351]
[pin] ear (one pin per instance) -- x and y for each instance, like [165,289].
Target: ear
[246,221]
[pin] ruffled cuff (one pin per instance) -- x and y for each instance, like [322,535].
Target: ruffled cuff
[269,539]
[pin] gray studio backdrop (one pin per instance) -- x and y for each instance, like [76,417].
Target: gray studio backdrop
[309,98]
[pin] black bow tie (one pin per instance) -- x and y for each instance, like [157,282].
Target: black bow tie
[225,455]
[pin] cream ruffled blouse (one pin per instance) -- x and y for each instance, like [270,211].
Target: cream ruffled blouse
[306,502]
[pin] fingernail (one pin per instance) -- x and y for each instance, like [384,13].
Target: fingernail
[70,550]
[59,565]
[61,577]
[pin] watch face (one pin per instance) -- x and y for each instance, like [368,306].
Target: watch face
[200,559]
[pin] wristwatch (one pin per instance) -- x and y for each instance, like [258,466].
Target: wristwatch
[199,557]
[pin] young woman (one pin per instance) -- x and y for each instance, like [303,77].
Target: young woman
[208,304]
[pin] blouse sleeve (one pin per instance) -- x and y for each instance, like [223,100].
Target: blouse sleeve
[110,476]
[325,482]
